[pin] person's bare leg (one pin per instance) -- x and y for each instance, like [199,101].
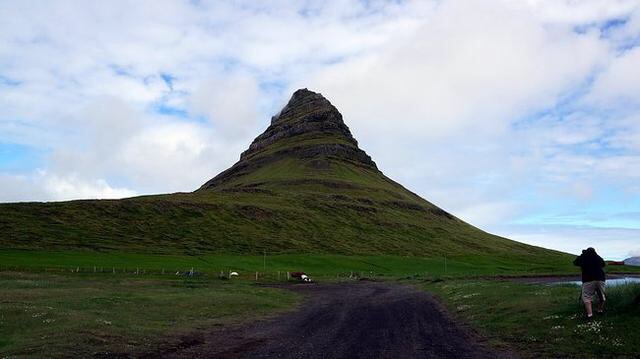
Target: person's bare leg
[588,307]
[601,300]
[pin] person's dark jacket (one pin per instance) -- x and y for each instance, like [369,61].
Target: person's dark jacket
[591,264]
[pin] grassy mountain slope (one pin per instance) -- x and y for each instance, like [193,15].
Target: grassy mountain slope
[303,186]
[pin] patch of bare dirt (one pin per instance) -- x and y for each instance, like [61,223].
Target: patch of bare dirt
[347,320]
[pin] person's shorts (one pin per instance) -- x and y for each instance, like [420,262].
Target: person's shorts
[589,289]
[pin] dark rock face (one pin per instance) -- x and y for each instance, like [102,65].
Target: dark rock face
[309,127]
[303,103]
[306,113]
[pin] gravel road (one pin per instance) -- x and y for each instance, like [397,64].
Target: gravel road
[345,320]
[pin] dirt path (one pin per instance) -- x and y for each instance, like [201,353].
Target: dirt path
[350,320]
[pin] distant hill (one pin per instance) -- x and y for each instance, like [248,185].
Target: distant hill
[302,186]
[633,261]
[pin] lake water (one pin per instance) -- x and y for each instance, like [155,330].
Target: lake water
[610,282]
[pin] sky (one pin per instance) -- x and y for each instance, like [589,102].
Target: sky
[521,117]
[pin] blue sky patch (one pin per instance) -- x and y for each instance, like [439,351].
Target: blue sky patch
[168,80]
[17,157]
[121,70]
[171,111]
[7,81]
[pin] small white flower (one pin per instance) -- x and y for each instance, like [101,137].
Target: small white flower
[470,295]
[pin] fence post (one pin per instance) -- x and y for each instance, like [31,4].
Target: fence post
[445,264]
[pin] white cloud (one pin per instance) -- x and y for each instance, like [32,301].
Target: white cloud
[231,102]
[581,12]
[487,213]
[175,157]
[619,82]
[469,68]
[611,243]
[20,188]
[628,134]
[43,186]
[74,187]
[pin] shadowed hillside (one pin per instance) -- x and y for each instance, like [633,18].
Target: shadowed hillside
[303,186]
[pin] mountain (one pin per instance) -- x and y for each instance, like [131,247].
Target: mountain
[309,130]
[302,186]
[633,261]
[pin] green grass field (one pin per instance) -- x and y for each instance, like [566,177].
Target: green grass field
[82,315]
[544,321]
[128,302]
[321,266]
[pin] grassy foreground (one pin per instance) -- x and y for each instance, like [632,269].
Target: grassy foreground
[323,266]
[47,315]
[131,302]
[545,321]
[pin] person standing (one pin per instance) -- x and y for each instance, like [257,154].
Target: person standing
[593,279]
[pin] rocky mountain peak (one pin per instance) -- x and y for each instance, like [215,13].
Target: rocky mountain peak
[307,115]
[303,102]
[308,128]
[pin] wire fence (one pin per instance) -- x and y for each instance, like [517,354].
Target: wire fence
[195,272]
